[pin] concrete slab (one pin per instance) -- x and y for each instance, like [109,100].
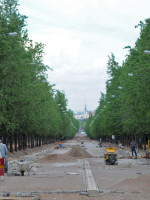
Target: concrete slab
[92,189]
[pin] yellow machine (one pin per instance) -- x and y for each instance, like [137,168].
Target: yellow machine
[110,156]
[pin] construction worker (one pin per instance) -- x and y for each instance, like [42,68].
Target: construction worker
[100,142]
[3,152]
[60,144]
[133,146]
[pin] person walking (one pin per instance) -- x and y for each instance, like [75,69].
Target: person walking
[3,152]
[100,142]
[133,146]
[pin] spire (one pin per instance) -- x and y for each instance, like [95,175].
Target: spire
[85,109]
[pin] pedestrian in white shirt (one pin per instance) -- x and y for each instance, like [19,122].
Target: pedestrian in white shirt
[3,152]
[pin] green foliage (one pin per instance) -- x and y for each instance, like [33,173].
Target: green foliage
[29,104]
[125,108]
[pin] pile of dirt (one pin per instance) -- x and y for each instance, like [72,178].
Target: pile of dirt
[57,158]
[77,152]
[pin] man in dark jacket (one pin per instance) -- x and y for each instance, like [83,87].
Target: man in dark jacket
[133,146]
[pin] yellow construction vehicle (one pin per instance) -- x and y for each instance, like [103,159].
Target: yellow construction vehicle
[110,156]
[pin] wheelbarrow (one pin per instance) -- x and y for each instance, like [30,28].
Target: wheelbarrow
[24,166]
[110,156]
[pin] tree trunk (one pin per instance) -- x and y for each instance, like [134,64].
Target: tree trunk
[11,143]
[16,138]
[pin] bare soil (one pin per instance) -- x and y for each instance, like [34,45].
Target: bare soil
[129,186]
[76,152]
[132,188]
[17,155]
[140,184]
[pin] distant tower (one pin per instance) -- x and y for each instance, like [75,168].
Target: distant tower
[85,110]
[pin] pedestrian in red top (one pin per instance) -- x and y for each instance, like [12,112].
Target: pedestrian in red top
[60,144]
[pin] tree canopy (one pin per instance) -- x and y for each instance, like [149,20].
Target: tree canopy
[29,103]
[124,111]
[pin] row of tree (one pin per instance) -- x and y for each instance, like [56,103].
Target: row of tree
[32,112]
[124,111]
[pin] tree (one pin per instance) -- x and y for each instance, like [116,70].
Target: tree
[30,114]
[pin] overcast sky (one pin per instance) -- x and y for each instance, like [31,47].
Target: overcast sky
[79,36]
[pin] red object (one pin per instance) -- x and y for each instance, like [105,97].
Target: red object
[1,166]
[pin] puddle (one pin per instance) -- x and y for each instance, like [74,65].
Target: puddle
[71,173]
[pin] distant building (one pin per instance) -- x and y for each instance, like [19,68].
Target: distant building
[84,115]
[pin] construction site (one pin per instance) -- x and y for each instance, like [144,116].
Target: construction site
[77,170]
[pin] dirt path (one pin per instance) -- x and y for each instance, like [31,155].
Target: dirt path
[60,173]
